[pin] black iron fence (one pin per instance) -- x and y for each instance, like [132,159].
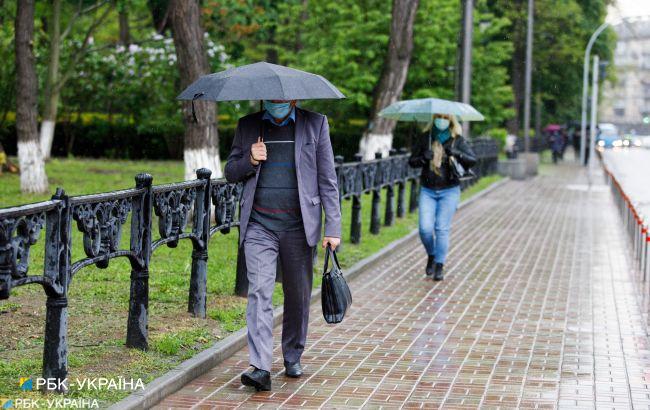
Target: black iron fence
[212,204]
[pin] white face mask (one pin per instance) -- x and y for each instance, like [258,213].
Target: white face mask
[441,123]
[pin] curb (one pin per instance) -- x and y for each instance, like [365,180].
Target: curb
[173,380]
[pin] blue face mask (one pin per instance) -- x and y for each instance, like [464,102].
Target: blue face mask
[277,110]
[441,123]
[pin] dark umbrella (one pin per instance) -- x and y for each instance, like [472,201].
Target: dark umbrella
[260,81]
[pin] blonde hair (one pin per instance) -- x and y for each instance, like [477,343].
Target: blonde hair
[454,128]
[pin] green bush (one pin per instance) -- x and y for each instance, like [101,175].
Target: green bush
[499,135]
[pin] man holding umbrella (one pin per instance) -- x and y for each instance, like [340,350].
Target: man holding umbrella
[283,155]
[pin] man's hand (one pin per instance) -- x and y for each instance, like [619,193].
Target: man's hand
[258,152]
[333,242]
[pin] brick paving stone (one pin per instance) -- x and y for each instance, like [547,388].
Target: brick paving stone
[539,309]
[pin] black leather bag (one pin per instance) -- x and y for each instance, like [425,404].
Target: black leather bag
[458,171]
[335,293]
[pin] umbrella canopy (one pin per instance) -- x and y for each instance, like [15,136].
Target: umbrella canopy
[422,109]
[552,128]
[260,81]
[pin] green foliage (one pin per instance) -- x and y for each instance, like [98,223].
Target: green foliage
[233,318]
[7,53]
[562,29]
[144,77]
[344,40]
[171,343]
[433,67]
[499,135]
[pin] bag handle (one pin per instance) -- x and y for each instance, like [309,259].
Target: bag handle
[327,258]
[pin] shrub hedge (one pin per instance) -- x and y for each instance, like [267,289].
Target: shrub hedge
[122,140]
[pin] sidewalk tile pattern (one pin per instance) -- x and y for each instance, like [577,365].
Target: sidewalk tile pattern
[538,310]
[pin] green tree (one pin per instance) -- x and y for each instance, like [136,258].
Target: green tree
[562,29]
[346,42]
[432,73]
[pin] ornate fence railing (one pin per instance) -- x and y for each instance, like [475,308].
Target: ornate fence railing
[211,203]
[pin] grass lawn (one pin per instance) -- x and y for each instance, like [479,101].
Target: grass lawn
[98,298]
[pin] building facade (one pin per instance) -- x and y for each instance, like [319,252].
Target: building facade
[626,101]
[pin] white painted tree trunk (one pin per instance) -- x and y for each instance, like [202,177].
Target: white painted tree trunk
[47,137]
[196,158]
[32,167]
[371,143]
[379,135]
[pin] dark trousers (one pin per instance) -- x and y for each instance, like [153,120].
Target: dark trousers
[262,248]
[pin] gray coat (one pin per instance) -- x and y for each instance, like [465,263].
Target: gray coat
[317,183]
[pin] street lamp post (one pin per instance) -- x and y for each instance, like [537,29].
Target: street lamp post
[466,73]
[594,118]
[585,91]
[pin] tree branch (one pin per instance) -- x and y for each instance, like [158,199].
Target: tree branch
[83,49]
[80,12]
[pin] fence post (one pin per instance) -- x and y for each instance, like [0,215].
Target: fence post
[57,266]
[375,221]
[338,159]
[196,304]
[355,226]
[401,187]
[413,198]
[389,215]
[137,331]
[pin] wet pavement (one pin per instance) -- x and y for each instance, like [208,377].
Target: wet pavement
[631,167]
[538,310]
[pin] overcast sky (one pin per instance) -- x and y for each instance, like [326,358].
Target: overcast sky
[628,8]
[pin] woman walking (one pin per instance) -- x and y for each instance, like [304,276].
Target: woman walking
[440,192]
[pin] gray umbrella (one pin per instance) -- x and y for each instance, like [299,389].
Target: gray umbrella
[260,81]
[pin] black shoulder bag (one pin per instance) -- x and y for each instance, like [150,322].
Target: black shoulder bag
[457,169]
[335,293]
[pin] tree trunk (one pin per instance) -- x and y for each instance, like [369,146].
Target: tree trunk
[271,48]
[160,13]
[52,86]
[460,39]
[304,15]
[32,178]
[379,135]
[518,65]
[538,114]
[125,32]
[201,148]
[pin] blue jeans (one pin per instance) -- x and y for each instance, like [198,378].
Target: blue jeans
[436,210]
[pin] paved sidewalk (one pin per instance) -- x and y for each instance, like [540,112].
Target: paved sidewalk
[538,309]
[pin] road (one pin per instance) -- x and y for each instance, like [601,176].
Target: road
[632,169]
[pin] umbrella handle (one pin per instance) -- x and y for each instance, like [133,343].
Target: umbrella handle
[196,96]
